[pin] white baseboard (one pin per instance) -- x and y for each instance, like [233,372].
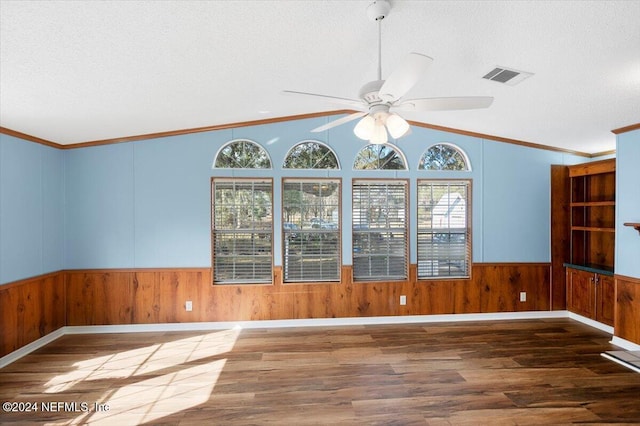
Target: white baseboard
[625,344]
[590,322]
[312,322]
[27,349]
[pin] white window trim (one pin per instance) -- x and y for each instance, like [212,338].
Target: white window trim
[310,141]
[395,148]
[452,145]
[215,157]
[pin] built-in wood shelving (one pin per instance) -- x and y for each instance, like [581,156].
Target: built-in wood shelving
[592,213]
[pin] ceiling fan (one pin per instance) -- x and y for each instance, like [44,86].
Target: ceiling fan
[379,99]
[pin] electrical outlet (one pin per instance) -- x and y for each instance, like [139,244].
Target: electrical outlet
[523,296]
[188,306]
[403,299]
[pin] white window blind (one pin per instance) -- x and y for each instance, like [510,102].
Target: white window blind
[242,230]
[311,230]
[444,231]
[379,230]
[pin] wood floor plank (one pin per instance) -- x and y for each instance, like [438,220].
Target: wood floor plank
[518,372]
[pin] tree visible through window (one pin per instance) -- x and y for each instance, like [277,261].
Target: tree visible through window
[379,230]
[379,157]
[444,232]
[242,154]
[242,230]
[311,230]
[311,155]
[443,157]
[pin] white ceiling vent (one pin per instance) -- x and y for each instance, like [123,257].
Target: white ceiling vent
[507,76]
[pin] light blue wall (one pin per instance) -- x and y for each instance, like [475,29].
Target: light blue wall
[31,209]
[147,204]
[99,219]
[516,203]
[172,202]
[627,204]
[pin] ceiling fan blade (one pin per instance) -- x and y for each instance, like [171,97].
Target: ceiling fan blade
[404,77]
[355,103]
[339,121]
[445,104]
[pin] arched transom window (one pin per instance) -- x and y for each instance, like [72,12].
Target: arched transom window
[379,157]
[242,154]
[444,156]
[311,155]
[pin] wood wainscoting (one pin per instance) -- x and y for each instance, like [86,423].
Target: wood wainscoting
[148,296]
[627,310]
[33,308]
[30,309]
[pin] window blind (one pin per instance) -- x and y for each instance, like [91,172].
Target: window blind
[311,230]
[379,230]
[444,231]
[242,230]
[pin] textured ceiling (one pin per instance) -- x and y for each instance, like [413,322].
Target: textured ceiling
[79,71]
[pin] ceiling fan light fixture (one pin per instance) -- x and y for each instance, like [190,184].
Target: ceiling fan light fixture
[364,128]
[397,126]
[379,135]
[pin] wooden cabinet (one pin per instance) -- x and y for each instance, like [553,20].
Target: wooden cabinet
[605,299]
[591,295]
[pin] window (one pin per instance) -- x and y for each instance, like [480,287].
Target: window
[242,154]
[444,234]
[379,230]
[311,155]
[444,156]
[242,230]
[311,230]
[379,157]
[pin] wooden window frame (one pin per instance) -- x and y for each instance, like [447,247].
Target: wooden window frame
[338,231]
[468,233]
[213,230]
[407,221]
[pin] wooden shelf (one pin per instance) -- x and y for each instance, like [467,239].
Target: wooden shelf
[635,226]
[592,229]
[593,203]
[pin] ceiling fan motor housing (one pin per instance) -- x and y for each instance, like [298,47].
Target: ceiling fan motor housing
[369,92]
[378,10]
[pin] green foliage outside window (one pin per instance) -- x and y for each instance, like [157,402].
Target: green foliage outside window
[311,155]
[242,154]
[378,157]
[443,157]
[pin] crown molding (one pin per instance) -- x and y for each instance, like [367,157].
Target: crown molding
[501,139]
[30,138]
[206,129]
[302,117]
[626,129]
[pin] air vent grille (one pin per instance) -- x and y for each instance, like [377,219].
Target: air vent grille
[507,76]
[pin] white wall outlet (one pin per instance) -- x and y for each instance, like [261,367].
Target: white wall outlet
[188,306]
[403,299]
[523,296]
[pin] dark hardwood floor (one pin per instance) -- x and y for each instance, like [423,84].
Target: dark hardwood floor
[505,372]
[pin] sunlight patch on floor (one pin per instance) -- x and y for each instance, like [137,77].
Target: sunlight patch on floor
[146,360]
[161,396]
[158,380]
